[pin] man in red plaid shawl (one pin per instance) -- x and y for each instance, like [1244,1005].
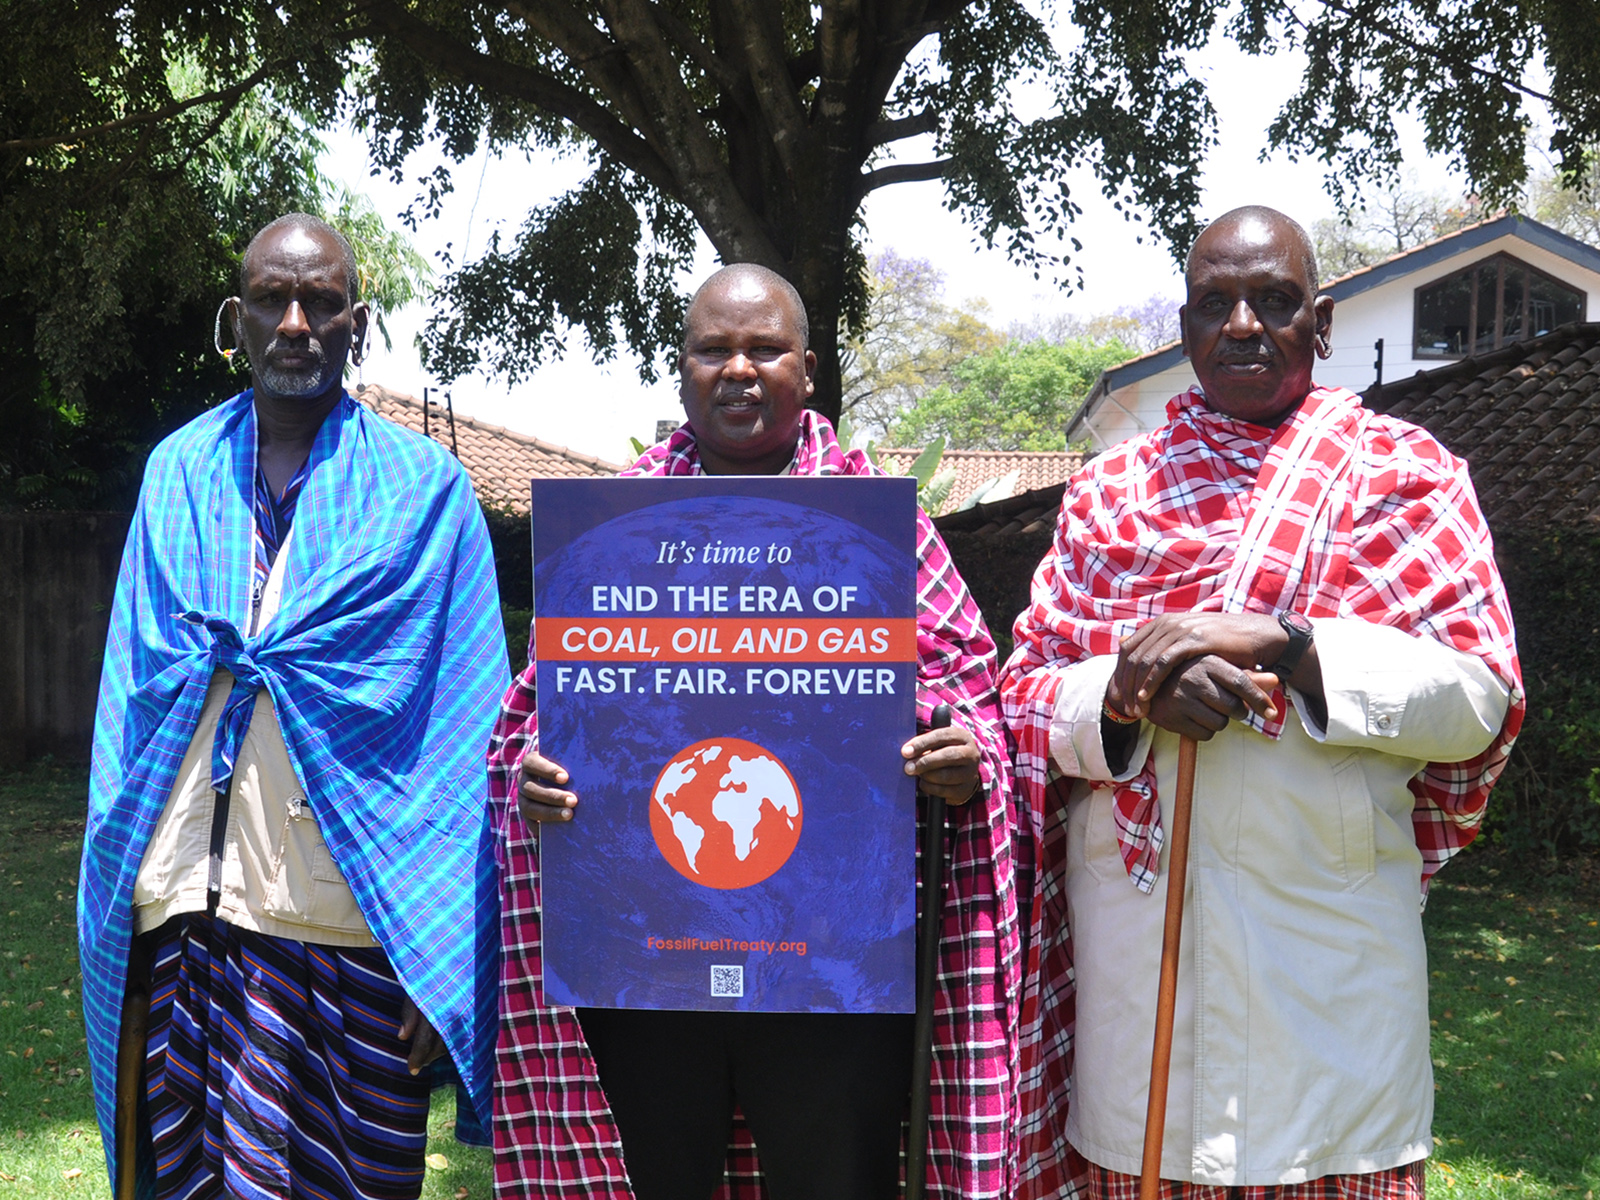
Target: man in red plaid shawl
[1273,547]
[822,1097]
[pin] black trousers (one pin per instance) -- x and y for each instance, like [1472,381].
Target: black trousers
[824,1095]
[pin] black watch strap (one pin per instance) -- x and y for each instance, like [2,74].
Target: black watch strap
[1299,631]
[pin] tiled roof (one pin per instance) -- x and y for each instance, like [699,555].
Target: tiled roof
[1030,512]
[1036,468]
[1525,417]
[500,461]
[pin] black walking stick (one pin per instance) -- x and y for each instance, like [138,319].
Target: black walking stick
[927,978]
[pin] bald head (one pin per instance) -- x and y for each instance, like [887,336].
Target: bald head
[1258,223]
[754,284]
[315,227]
[1254,322]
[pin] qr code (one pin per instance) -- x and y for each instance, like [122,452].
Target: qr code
[727,981]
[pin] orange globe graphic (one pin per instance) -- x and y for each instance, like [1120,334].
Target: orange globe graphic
[725,813]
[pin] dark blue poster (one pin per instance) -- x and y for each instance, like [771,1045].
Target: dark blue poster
[727,669]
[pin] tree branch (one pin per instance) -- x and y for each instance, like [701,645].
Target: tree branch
[681,138]
[903,173]
[454,57]
[884,132]
[588,49]
[1430,51]
[721,73]
[230,94]
[775,92]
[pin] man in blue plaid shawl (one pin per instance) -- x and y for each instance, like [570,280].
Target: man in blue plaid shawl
[288,904]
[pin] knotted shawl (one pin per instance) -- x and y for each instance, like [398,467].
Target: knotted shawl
[383,663]
[1349,514]
[554,1135]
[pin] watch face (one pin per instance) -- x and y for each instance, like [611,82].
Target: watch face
[1293,620]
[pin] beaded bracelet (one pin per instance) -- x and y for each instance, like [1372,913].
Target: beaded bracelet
[1115,717]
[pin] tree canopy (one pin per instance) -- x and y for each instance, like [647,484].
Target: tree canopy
[1013,397]
[766,123]
[909,343]
[136,159]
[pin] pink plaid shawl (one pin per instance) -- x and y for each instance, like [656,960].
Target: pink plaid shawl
[553,1133]
[1337,512]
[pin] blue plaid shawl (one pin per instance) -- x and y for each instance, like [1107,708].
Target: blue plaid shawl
[385,665]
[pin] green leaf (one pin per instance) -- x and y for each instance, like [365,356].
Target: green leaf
[845,431]
[926,463]
[936,491]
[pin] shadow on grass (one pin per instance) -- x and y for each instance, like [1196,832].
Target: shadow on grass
[1514,959]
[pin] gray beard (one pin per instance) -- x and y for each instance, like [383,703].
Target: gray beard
[308,381]
[293,383]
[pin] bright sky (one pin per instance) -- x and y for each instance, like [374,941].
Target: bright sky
[597,408]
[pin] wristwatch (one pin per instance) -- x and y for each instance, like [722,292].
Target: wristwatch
[1299,631]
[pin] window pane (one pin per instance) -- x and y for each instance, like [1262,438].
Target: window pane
[1550,305]
[1444,310]
[1488,285]
[1511,315]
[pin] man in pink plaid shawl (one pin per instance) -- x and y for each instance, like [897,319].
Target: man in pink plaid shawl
[1273,547]
[686,1099]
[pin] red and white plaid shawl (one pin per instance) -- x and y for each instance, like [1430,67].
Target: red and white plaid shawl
[1337,512]
[553,1133]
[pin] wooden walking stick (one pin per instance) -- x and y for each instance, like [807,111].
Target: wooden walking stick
[1155,1117]
[927,978]
[131,1046]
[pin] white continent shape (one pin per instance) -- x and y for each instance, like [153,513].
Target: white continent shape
[690,836]
[756,780]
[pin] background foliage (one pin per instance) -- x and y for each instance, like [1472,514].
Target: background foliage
[135,163]
[764,125]
[1548,801]
[1013,397]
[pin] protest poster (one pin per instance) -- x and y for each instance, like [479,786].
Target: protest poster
[727,668]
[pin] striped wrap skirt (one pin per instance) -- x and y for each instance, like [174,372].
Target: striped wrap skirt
[275,1070]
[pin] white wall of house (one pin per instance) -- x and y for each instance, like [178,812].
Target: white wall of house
[1386,311]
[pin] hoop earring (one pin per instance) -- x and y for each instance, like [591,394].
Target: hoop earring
[216,335]
[359,354]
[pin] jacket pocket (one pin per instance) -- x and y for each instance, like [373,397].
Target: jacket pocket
[1355,821]
[307,885]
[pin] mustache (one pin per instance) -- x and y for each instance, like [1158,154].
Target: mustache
[1247,354]
[310,346]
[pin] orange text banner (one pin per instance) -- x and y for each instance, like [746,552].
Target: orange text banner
[578,639]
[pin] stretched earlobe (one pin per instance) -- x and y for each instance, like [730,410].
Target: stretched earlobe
[216,331]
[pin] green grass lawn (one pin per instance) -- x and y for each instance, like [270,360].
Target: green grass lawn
[49,1142]
[1515,959]
[1515,965]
